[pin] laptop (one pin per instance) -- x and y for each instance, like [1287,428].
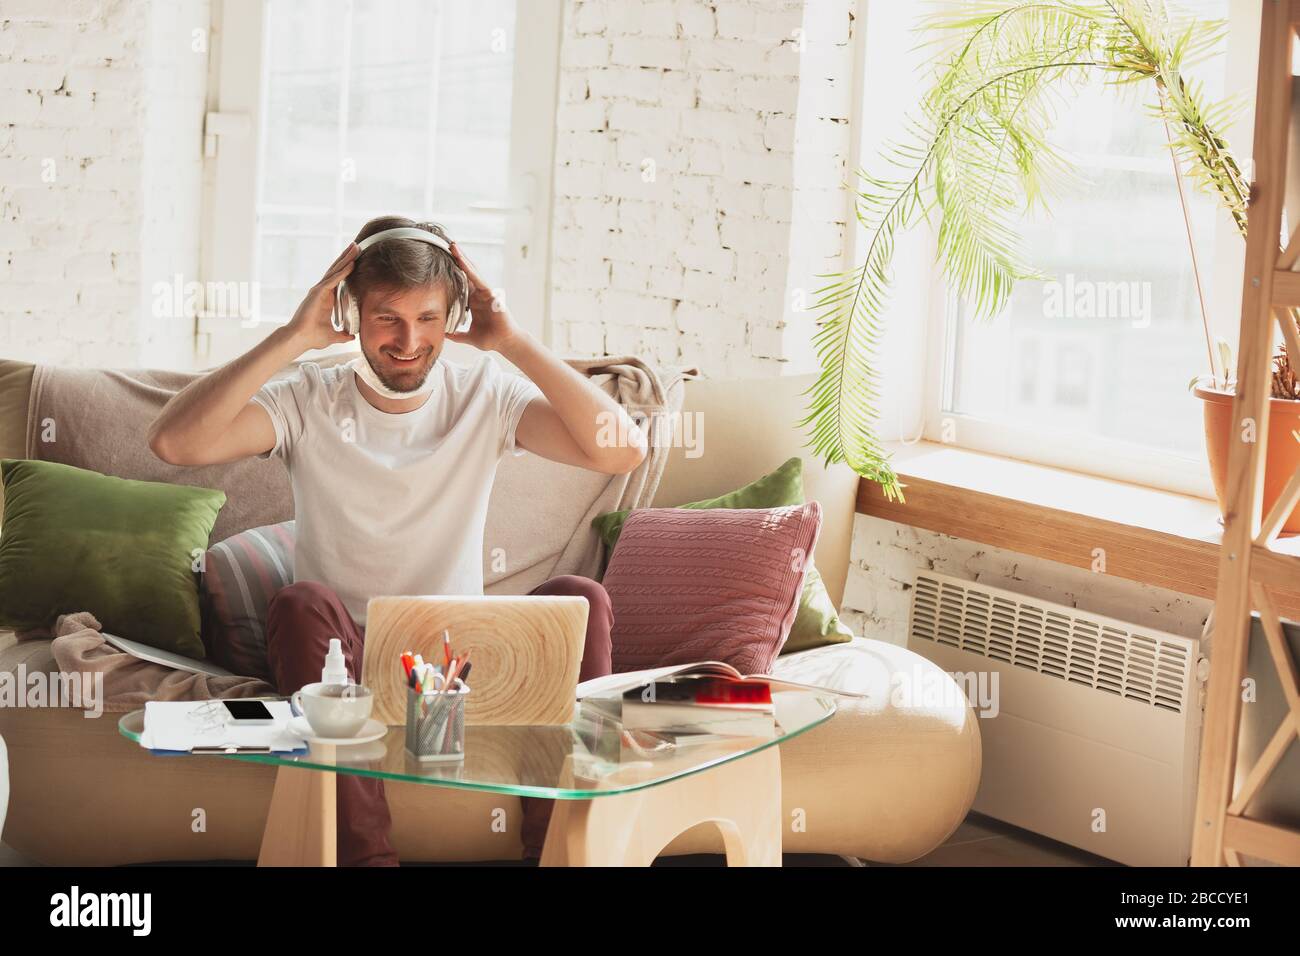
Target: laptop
[526,652]
[155,655]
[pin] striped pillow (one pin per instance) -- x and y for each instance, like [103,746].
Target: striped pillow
[240,576]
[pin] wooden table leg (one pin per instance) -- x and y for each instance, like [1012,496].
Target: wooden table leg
[742,797]
[300,827]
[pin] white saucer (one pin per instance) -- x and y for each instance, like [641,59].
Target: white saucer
[371,730]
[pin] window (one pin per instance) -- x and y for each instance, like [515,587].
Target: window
[1089,369]
[368,107]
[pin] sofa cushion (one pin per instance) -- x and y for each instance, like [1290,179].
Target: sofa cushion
[719,584]
[240,576]
[124,550]
[815,624]
[103,418]
[15,394]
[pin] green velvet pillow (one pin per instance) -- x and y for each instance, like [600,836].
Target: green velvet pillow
[816,622]
[124,550]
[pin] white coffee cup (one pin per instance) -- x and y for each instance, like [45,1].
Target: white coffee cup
[335,710]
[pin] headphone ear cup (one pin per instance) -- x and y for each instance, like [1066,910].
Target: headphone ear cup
[351,315]
[462,300]
[455,313]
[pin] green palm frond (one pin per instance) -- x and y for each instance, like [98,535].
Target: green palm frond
[843,407]
[977,156]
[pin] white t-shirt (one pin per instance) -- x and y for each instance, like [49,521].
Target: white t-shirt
[393,503]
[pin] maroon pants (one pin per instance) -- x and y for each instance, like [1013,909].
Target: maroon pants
[302,618]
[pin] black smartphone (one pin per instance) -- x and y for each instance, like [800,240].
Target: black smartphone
[249,713]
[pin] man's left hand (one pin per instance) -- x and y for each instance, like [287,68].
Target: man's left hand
[492,325]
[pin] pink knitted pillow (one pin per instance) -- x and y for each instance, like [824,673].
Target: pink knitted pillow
[708,584]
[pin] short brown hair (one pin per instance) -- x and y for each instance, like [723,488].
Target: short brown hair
[402,265]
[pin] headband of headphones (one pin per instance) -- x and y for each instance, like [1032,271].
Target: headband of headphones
[346,312]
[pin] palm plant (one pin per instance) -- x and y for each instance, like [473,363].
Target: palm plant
[979,157]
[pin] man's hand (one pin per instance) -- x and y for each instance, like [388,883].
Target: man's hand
[492,326]
[310,326]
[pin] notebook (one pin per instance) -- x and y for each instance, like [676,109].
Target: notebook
[199,726]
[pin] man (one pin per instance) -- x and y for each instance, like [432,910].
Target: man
[392,462]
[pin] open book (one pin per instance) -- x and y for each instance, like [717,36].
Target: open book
[612,684]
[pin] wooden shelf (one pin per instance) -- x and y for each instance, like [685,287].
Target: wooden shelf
[1153,537]
[1286,289]
[1278,566]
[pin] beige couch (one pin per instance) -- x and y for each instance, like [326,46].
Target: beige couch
[878,782]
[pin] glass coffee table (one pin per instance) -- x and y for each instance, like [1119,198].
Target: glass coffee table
[621,796]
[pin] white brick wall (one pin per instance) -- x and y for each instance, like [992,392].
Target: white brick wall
[101,105]
[697,177]
[698,173]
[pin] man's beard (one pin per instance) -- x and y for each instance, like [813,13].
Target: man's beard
[399,380]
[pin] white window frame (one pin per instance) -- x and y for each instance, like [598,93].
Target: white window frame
[1089,454]
[236,107]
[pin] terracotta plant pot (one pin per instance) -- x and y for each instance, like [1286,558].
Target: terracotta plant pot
[1283,450]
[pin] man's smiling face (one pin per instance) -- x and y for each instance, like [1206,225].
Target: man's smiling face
[402,332]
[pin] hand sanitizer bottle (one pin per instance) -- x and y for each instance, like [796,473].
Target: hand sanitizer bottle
[335,670]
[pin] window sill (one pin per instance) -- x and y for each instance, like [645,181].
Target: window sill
[1146,535]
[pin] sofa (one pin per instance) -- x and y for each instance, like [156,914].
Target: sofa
[876,782]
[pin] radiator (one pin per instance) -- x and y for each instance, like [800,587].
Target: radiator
[1094,736]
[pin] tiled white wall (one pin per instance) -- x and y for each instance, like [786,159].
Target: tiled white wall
[101,107]
[700,154]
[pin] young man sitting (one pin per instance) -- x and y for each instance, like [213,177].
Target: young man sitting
[392,459]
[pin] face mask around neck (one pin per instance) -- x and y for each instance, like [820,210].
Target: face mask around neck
[361,365]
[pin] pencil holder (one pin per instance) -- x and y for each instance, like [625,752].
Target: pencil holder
[435,724]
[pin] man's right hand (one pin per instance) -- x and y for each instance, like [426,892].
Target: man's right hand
[213,419]
[310,326]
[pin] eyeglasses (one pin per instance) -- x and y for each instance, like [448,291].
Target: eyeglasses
[209,716]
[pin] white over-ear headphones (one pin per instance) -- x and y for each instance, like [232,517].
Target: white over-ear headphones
[346,313]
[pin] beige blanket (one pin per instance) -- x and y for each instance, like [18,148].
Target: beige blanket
[539,513]
[79,648]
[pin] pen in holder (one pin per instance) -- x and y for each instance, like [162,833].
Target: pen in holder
[435,723]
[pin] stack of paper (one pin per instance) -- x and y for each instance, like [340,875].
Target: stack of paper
[184,725]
